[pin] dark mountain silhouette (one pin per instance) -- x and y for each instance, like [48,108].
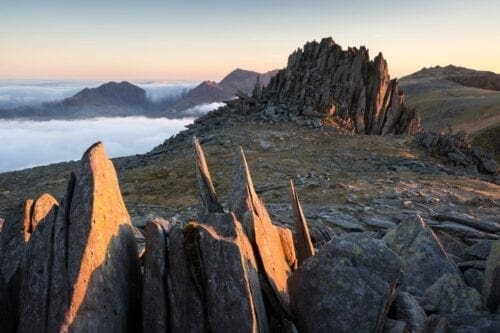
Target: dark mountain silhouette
[111,93]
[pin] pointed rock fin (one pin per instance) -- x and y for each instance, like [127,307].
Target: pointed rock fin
[207,199]
[302,240]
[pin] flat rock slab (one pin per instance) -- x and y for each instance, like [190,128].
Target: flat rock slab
[464,231]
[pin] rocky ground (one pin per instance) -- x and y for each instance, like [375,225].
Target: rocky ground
[353,186]
[346,182]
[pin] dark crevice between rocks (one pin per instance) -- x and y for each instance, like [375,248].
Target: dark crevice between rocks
[191,234]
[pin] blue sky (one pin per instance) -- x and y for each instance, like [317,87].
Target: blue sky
[195,40]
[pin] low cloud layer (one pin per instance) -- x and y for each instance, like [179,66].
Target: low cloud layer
[201,109]
[31,143]
[15,93]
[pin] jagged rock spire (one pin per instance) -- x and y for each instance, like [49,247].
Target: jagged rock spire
[322,79]
[102,260]
[207,199]
[302,240]
[267,241]
[81,269]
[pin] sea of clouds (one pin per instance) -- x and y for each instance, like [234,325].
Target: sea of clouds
[25,144]
[29,143]
[15,93]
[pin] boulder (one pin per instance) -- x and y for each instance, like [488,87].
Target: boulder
[479,250]
[348,286]
[407,309]
[474,278]
[423,260]
[450,295]
[491,286]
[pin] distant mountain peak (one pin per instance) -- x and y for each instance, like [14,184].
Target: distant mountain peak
[110,93]
[210,91]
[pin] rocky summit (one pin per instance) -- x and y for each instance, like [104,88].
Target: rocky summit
[206,233]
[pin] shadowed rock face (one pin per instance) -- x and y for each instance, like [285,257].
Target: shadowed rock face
[323,80]
[303,244]
[155,315]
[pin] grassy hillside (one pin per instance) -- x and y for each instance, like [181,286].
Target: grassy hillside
[444,104]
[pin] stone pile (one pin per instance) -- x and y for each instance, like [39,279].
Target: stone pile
[455,148]
[73,265]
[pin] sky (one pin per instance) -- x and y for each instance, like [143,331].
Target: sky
[204,40]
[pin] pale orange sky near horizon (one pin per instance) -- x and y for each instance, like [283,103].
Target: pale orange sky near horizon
[152,40]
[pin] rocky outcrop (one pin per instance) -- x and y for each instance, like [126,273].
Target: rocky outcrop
[79,270]
[322,84]
[352,277]
[322,80]
[220,274]
[456,149]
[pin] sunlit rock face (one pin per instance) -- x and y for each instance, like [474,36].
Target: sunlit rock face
[102,262]
[78,264]
[322,80]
